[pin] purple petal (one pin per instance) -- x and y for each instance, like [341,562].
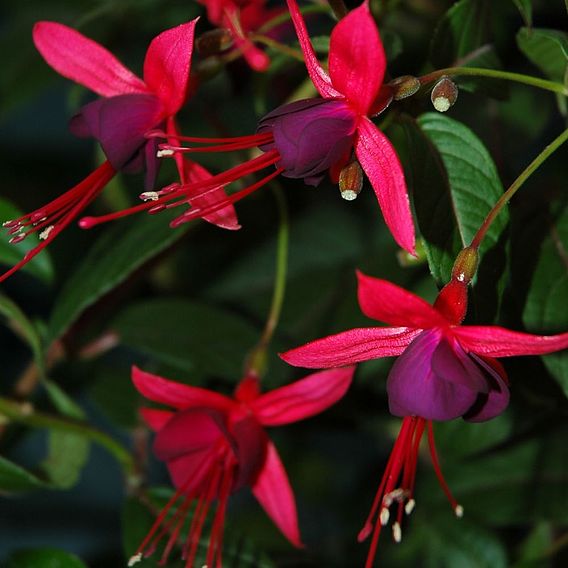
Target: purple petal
[119,124]
[451,363]
[310,135]
[414,389]
[491,404]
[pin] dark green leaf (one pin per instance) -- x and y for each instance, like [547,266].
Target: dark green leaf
[14,478]
[545,309]
[547,49]
[118,253]
[535,547]
[25,329]
[43,558]
[195,338]
[10,254]
[455,184]
[525,8]
[463,29]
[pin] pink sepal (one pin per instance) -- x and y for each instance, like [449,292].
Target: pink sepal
[357,59]
[84,61]
[156,419]
[273,491]
[384,301]
[167,65]
[319,77]
[177,395]
[382,166]
[350,347]
[494,341]
[304,398]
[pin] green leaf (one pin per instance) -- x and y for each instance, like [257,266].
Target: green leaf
[536,546]
[14,478]
[525,8]
[545,308]
[10,254]
[196,338]
[455,184]
[44,558]
[547,49]
[464,28]
[23,327]
[117,254]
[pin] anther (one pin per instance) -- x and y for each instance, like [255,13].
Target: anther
[135,559]
[409,507]
[18,239]
[384,516]
[458,510]
[45,233]
[149,196]
[164,153]
[10,224]
[396,532]
[395,495]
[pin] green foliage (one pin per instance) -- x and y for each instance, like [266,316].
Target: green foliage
[547,49]
[14,478]
[44,557]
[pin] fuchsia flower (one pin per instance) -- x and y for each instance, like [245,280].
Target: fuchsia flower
[214,445]
[308,138]
[242,17]
[128,109]
[445,370]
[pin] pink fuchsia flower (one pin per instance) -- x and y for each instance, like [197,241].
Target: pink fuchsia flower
[444,370]
[242,17]
[128,109]
[214,445]
[308,138]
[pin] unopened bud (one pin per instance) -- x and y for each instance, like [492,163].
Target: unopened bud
[444,94]
[465,265]
[404,87]
[351,181]
[214,42]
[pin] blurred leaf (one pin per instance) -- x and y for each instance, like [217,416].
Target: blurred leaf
[195,338]
[455,184]
[123,248]
[321,44]
[547,49]
[44,558]
[464,28]
[535,547]
[545,309]
[449,542]
[525,8]
[485,57]
[25,329]
[10,254]
[14,478]
[67,455]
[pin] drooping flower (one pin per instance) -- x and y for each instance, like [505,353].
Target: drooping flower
[309,138]
[128,109]
[242,17]
[214,445]
[444,370]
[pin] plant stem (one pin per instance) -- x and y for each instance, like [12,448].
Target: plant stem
[285,17]
[282,48]
[516,185]
[26,414]
[496,74]
[256,360]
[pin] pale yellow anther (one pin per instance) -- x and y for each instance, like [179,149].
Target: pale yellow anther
[135,559]
[396,532]
[384,516]
[409,507]
[458,511]
[45,233]
[164,153]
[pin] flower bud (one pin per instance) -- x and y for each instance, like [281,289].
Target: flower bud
[404,87]
[444,94]
[465,265]
[214,42]
[351,181]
